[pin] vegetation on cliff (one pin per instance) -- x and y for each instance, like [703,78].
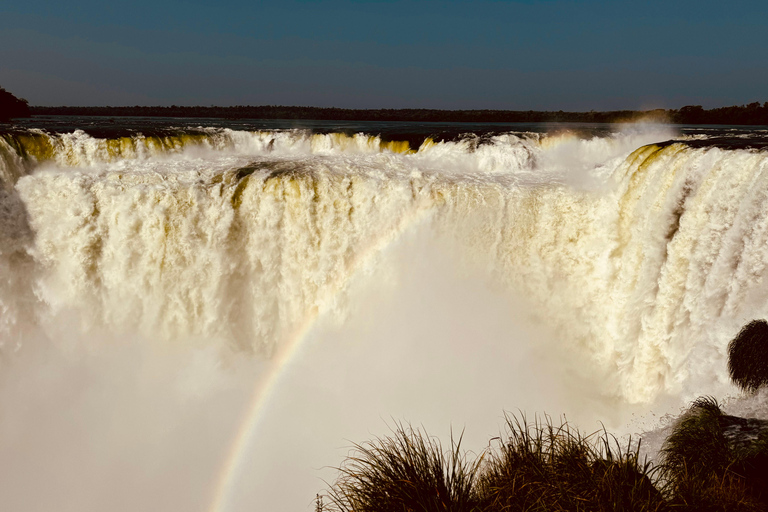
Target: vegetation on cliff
[537,467]
[711,462]
[714,461]
[11,106]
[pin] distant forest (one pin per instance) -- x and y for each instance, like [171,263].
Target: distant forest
[752,114]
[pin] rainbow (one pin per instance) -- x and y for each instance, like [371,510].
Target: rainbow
[263,390]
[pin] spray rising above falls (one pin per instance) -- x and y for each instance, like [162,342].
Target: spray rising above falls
[647,257]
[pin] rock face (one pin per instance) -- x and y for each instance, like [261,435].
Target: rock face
[747,440]
[748,356]
[11,106]
[744,435]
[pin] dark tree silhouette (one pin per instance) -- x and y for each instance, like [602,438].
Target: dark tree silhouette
[748,356]
[751,114]
[11,106]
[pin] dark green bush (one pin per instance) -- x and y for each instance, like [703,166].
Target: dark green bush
[748,356]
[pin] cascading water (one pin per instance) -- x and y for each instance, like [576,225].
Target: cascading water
[607,272]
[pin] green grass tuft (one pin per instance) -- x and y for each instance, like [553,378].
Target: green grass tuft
[539,467]
[697,443]
[408,471]
[705,472]
[547,467]
[711,462]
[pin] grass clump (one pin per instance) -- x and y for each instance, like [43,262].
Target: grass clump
[748,356]
[707,472]
[543,467]
[539,467]
[408,471]
[712,462]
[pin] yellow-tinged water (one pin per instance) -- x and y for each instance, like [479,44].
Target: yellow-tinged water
[642,258]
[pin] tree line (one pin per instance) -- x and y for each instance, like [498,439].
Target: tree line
[751,114]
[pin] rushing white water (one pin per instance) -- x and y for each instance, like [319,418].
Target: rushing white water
[624,264]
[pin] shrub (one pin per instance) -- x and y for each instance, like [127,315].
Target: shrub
[748,356]
[697,443]
[703,470]
[407,471]
[543,467]
[711,462]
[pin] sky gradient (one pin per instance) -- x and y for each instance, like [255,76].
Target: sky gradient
[521,55]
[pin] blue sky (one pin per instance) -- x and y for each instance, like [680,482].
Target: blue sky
[541,55]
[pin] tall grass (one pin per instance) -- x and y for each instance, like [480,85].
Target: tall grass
[705,472]
[697,442]
[711,462]
[408,471]
[547,467]
[538,467]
